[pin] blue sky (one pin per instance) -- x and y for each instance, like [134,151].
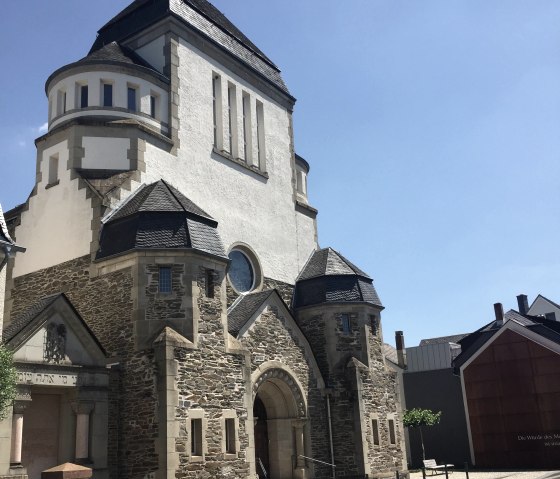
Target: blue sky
[432,130]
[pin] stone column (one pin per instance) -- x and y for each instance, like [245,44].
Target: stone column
[83,410]
[17,433]
[301,471]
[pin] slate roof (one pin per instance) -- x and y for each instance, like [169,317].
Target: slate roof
[330,277]
[202,16]
[21,321]
[113,52]
[244,308]
[471,343]
[327,262]
[159,216]
[455,338]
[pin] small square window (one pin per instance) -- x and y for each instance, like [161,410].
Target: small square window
[346,327]
[196,437]
[165,279]
[230,436]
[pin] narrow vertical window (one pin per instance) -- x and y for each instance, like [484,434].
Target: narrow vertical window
[84,96]
[165,279]
[375,431]
[374,325]
[153,104]
[230,436]
[61,102]
[132,98]
[232,117]
[209,283]
[196,437]
[217,111]
[107,92]
[53,170]
[261,153]
[345,320]
[247,143]
[392,433]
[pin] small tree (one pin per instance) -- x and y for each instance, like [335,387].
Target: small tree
[418,418]
[8,380]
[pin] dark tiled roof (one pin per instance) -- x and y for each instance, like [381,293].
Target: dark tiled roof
[159,216]
[243,309]
[202,16]
[328,262]
[158,197]
[455,338]
[20,322]
[328,277]
[471,343]
[113,52]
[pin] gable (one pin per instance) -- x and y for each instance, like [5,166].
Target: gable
[273,303]
[542,306]
[52,332]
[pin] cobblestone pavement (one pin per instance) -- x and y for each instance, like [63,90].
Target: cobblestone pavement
[494,475]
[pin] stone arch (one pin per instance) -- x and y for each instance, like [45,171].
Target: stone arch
[279,412]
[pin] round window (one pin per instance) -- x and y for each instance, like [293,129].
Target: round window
[241,272]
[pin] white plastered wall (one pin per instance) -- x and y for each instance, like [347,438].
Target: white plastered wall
[120,83]
[57,226]
[249,209]
[105,153]
[153,53]
[542,307]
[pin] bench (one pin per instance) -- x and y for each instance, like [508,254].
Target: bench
[431,465]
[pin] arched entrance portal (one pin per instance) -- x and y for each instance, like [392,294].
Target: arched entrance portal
[279,414]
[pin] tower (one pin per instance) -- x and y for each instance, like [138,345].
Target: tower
[178,222]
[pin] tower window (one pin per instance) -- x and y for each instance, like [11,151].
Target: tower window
[230,436]
[196,437]
[209,283]
[375,431]
[61,102]
[83,96]
[107,92]
[164,279]
[392,432]
[132,98]
[153,105]
[53,170]
[345,321]
[374,325]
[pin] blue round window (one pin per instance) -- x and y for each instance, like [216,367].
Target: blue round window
[241,272]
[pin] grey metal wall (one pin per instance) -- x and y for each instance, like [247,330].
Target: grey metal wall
[438,390]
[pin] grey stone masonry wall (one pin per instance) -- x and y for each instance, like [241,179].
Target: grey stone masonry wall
[271,339]
[210,381]
[164,306]
[105,303]
[363,388]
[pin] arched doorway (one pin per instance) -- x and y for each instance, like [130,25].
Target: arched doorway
[279,415]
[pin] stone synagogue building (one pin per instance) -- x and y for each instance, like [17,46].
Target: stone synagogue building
[172,315]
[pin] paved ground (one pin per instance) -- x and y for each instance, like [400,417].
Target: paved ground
[494,475]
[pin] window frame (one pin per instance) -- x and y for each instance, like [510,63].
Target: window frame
[164,286]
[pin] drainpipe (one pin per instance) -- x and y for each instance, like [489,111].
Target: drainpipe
[330,434]
[7,250]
